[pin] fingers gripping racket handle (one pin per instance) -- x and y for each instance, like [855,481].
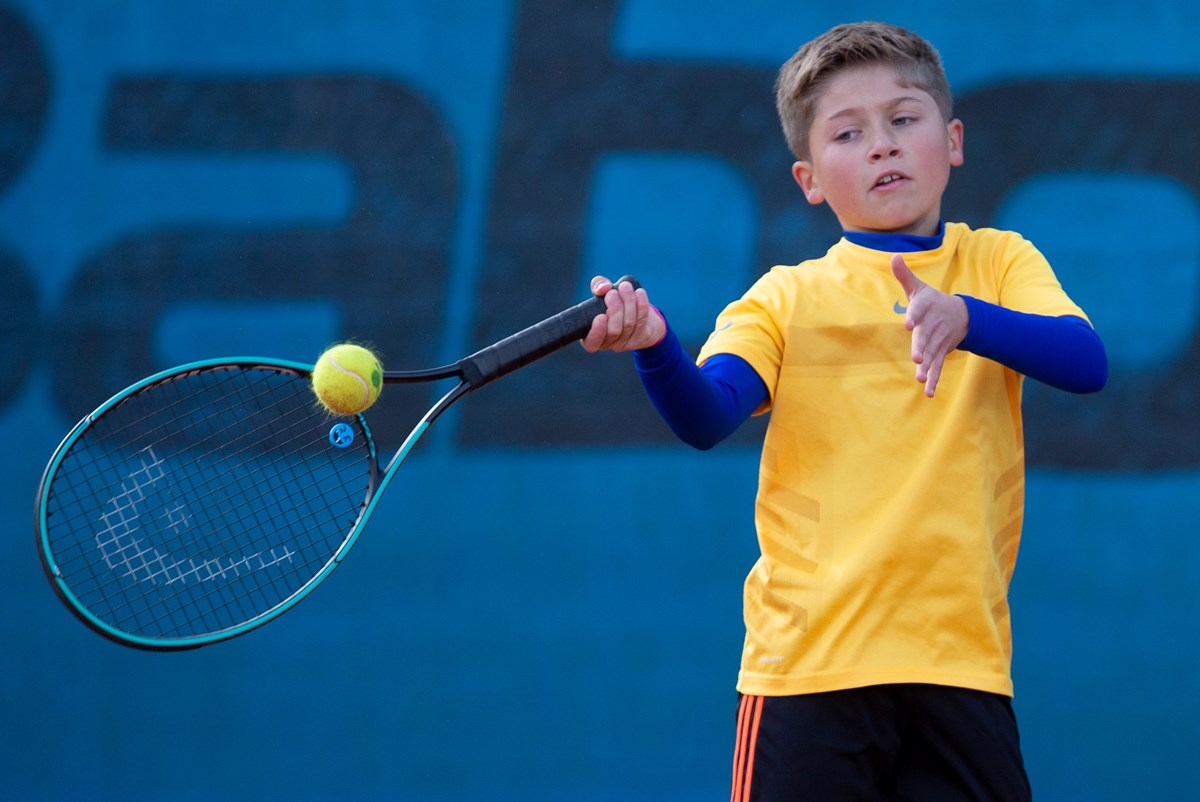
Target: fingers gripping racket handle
[535,342]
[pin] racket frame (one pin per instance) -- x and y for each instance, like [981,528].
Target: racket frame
[81,611]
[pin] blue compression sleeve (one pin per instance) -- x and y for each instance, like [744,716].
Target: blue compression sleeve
[701,405]
[1063,352]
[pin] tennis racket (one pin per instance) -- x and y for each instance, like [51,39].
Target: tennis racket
[206,500]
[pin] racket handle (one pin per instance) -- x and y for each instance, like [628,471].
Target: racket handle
[535,342]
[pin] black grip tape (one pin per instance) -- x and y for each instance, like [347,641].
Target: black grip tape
[539,340]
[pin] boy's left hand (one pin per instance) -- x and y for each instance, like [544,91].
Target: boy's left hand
[938,323]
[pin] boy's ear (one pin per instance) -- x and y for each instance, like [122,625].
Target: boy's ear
[803,173]
[955,131]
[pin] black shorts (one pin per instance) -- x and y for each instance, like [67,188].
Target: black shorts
[900,743]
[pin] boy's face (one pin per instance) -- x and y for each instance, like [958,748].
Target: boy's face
[880,153]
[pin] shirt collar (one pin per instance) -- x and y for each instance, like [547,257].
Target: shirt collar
[898,243]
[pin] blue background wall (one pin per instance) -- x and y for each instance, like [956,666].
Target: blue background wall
[548,605]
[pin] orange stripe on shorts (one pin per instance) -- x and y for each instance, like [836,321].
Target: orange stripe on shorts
[749,716]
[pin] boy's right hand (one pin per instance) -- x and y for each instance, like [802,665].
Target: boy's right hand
[629,321]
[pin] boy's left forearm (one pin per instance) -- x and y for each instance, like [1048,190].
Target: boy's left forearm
[1063,352]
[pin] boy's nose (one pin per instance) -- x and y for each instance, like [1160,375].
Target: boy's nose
[884,145]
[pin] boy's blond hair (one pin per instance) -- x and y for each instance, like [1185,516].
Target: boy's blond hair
[802,78]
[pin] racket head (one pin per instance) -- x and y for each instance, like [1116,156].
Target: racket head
[202,502]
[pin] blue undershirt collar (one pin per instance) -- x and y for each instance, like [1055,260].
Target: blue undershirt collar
[897,243]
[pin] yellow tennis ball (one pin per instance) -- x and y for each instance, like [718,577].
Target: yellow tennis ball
[347,379]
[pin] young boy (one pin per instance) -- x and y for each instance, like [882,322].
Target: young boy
[877,650]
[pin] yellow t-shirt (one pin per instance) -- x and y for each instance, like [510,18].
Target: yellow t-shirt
[888,522]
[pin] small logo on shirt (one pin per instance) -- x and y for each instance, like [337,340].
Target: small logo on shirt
[898,309]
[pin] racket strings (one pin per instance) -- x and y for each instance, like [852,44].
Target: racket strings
[264,518]
[134,431]
[155,566]
[118,437]
[254,505]
[203,502]
[262,506]
[205,570]
[182,416]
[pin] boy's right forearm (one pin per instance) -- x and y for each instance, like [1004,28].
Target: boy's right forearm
[701,410]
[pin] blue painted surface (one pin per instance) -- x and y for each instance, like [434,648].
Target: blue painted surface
[571,632]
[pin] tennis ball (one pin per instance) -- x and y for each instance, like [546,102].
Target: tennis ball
[347,379]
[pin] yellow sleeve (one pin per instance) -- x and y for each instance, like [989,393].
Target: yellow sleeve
[753,328]
[1027,282]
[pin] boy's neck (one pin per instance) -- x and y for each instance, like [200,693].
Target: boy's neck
[897,243]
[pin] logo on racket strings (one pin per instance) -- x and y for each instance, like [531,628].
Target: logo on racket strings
[143,505]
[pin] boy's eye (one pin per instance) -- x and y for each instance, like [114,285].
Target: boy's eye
[844,136]
[904,120]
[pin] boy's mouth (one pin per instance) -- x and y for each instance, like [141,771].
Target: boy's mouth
[887,179]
